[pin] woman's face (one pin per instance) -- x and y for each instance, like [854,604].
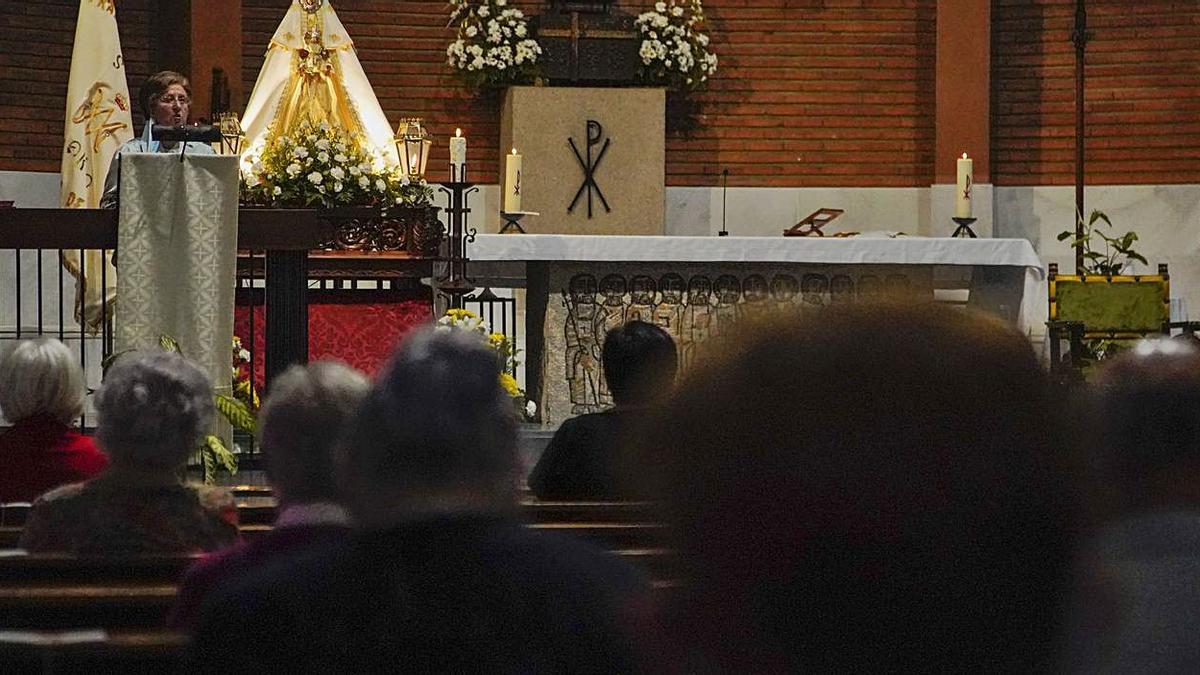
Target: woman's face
[171,107]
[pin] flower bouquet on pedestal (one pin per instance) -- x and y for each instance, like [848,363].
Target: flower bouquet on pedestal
[675,54]
[492,46]
[320,166]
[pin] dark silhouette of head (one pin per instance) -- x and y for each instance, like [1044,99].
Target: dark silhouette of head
[640,362]
[870,491]
[1149,401]
[436,434]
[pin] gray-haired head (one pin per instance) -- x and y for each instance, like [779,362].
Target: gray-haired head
[41,377]
[437,433]
[301,423]
[153,410]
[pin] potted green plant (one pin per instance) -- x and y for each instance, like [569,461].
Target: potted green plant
[1104,308]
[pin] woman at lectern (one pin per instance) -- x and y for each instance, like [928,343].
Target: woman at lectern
[153,410]
[166,99]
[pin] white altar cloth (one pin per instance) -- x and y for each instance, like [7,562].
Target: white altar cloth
[814,250]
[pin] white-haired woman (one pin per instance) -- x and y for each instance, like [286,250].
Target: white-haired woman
[153,410]
[41,394]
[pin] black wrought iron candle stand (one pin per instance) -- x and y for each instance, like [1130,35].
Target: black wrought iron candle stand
[455,283]
[964,227]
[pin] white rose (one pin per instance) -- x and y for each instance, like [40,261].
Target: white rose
[677,10]
[355,171]
[300,152]
[340,158]
[323,156]
[337,173]
[520,30]
[482,11]
[364,182]
[315,178]
[323,144]
[293,169]
[340,147]
[337,187]
[530,408]
[380,185]
[471,31]
[660,6]
[277,191]
[251,180]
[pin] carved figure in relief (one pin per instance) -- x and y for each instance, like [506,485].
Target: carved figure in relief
[729,291]
[869,287]
[755,294]
[812,293]
[611,314]
[583,345]
[698,319]
[668,315]
[641,299]
[841,290]
[784,288]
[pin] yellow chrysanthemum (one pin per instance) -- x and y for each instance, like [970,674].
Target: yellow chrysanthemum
[510,384]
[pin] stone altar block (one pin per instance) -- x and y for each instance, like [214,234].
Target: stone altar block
[625,158]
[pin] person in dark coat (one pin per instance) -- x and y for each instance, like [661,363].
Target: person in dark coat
[440,576]
[584,459]
[299,427]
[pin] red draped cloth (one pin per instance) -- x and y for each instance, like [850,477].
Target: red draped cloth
[361,334]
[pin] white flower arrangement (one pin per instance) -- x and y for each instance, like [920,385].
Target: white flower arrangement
[675,46]
[492,46]
[298,170]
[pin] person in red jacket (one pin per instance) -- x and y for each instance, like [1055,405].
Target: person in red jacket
[41,393]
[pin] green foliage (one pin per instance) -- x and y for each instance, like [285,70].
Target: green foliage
[237,412]
[1118,250]
[214,455]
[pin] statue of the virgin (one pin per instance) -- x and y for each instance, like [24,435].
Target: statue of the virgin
[311,71]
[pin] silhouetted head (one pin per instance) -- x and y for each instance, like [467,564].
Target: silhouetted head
[870,491]
[436,434]
[302,423]
[640,363]
[1149,406]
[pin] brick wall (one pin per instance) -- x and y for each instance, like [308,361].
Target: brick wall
[834,95]
[1142,101]
[35,63]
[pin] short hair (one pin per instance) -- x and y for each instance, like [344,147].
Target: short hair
[301,423]
[153,409]
[1149,404]
[156,85]
[41,376]
[640,362]
[857,487]
[436,421]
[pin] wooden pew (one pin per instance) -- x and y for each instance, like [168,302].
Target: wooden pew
[92,651]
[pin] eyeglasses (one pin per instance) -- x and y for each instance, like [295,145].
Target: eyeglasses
[168,100]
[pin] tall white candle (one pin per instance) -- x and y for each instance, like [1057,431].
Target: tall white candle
[512,183]
[962,195]
[458,155]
